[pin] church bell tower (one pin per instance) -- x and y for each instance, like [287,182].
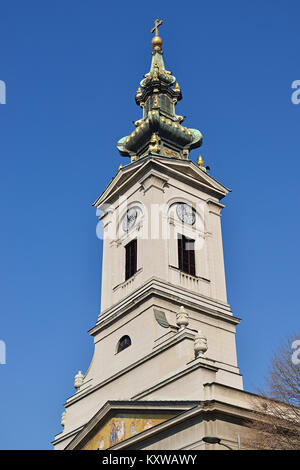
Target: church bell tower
[165,349]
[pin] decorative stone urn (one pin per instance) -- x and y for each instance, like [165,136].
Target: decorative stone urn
[182,318]
[78,380]
[63,418]
[200,344]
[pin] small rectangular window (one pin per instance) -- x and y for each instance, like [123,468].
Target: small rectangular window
[186,255]
[130,259]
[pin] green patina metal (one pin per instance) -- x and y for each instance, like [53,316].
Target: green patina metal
[160,130]
[161,319]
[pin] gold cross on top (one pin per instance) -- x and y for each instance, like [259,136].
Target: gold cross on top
[157,23]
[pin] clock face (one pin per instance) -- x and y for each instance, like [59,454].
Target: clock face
[129,219]
[186,213]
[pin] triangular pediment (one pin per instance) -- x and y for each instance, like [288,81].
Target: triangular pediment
[184,170]
[118,421]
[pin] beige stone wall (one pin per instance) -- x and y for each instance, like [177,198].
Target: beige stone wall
[156,229]
[160,364]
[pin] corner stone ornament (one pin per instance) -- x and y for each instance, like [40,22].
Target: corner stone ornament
[182,318]
[200,344]
[63,418]
[78,380]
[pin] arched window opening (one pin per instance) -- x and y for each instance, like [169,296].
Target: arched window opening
[124,342]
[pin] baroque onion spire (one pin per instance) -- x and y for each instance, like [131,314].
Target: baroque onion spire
[160,130]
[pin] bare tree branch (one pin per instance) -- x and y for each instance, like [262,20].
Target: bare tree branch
[276,415]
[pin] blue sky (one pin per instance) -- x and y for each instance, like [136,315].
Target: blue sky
[71,69]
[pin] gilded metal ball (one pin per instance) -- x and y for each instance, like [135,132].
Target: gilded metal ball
[156,43]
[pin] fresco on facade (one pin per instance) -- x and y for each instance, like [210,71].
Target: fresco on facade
[121,427]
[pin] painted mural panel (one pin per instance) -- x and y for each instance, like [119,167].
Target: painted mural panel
[121,427]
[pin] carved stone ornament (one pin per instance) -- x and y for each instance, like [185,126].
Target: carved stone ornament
[78,380]
[182,318]
[63,418]
[200,344]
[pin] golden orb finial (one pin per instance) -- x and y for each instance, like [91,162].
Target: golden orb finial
[156,43]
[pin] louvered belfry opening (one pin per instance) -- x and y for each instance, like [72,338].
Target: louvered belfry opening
[186,254]
[131,259]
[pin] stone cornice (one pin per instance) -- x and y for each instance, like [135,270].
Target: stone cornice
[187,410]
[212,408]
[157,288]
[63,436]
[201,363]
[166,166]
[112,407]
